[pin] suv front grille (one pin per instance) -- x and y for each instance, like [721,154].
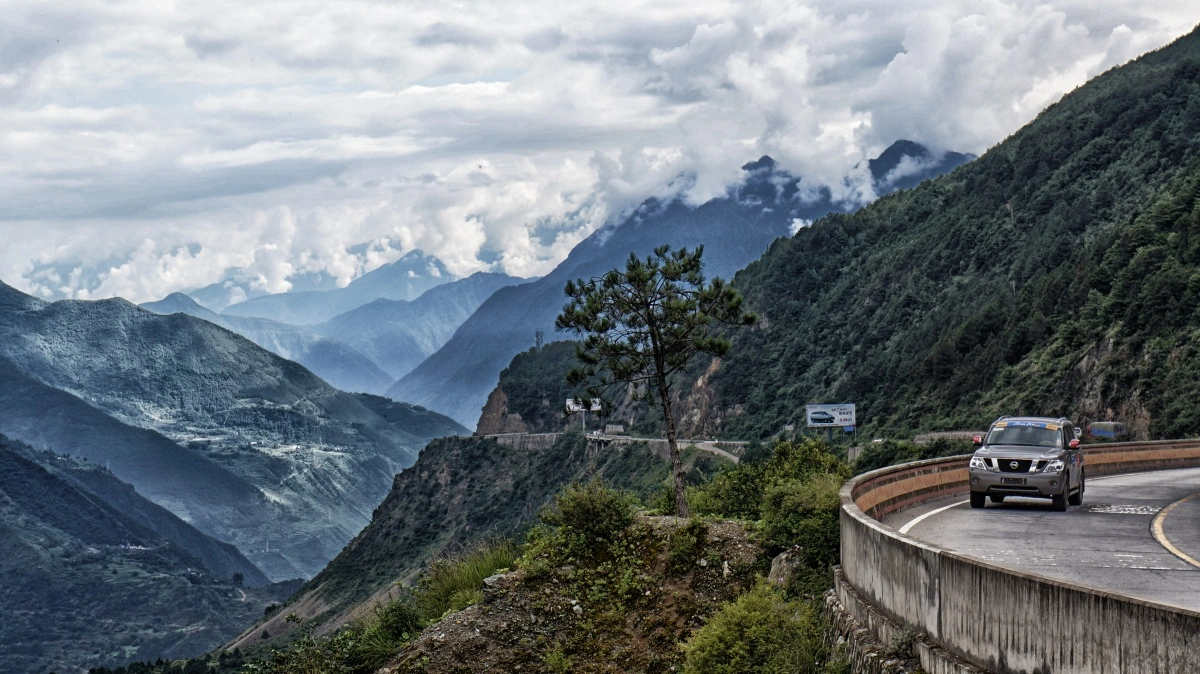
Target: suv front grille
[1007,465]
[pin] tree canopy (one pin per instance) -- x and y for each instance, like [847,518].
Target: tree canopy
[645,323]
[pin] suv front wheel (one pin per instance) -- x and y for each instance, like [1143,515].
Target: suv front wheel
[978,499]
[1077,497]
[1059,501]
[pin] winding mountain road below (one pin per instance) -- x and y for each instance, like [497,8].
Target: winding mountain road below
[1136,535]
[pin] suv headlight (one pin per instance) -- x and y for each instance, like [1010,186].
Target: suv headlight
[979,464]
[1054,466]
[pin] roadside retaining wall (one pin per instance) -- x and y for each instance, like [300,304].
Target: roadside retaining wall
[1002,620]
[530,442]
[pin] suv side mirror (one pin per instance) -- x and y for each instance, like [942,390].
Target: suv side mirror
[978,439]
[1074,444]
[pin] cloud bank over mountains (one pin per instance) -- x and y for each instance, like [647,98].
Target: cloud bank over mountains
[149,148]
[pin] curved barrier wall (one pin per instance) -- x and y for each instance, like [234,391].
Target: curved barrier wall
[1000,619]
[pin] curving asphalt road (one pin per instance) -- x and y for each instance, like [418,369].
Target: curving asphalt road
[1137,535]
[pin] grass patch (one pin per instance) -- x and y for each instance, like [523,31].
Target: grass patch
[455,583]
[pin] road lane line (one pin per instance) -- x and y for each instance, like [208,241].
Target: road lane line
[1156,528]
[917,520]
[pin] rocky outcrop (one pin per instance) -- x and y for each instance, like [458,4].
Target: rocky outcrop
[496,419]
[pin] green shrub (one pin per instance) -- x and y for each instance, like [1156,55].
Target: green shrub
[455,583]
[365,645]
[735,493]
[589,517]
[805,513]
[687,544]
[556,661]
[760,633]
[360,648]
[591,535]
[739,491]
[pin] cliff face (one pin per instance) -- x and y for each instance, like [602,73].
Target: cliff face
[496,417]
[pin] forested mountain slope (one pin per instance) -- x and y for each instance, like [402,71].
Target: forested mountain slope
[1057,274]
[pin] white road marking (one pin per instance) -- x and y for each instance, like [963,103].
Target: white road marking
[917,520]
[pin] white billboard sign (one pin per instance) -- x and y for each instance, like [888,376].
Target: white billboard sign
[575,405]
[828,416]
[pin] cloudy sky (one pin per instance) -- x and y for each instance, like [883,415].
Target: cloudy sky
[150,146]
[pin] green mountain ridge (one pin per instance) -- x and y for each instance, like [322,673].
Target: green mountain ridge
[1053,275]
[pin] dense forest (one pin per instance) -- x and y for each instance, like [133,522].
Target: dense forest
[1056,274]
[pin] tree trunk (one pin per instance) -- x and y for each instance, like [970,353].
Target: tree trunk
[681,504]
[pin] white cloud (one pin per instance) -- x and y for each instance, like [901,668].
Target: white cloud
[148,147]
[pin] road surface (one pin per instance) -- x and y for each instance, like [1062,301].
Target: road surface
[1137,535]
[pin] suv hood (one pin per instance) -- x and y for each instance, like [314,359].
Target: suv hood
[1019,452]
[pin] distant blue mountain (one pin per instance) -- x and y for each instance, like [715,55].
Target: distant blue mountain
[397,335]
[330,359]
[404,279]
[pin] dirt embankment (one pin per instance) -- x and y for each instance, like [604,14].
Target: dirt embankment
[569,619]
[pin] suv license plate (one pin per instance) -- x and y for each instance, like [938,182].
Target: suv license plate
[1012,480]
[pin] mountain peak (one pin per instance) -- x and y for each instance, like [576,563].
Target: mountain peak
[764,163]
[890,158]
[178,303]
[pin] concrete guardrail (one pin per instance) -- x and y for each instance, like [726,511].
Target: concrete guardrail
[997,619]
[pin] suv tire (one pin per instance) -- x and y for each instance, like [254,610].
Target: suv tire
[1077,497]
[1059,501]
[978,499]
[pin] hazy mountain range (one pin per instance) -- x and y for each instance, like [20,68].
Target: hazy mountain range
[366,348]
[404,279]
[250,448]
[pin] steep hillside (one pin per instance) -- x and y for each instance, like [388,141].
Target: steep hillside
[307,463]
[222,560]
[397,335]
[460,491]
[404,279]
[1057,274]
[735,229]
[331,360]
[82,584]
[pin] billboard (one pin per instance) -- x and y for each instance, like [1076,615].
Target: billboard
[576,405]
[829,416]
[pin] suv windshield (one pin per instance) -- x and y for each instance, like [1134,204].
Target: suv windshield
[1033,434]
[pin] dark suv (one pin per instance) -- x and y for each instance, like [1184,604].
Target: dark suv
[1028,456]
